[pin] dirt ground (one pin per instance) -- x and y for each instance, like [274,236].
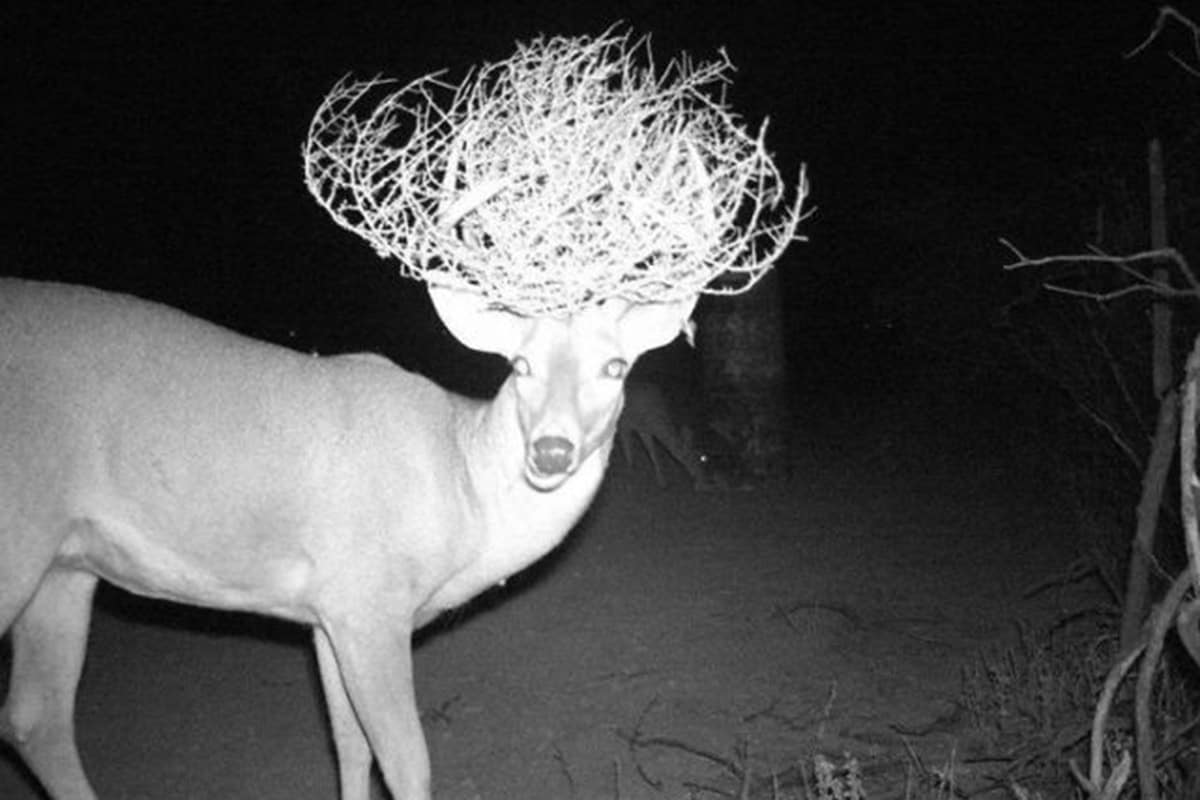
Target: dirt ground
[829,613]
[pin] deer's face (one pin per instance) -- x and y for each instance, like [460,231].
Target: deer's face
[568,377]
[567,372]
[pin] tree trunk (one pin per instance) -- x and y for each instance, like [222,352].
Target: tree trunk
[740,340]
[1137,585]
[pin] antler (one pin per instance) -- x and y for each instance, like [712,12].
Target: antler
[557,179]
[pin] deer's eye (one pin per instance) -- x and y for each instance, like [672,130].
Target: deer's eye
[616,368]
[520,366]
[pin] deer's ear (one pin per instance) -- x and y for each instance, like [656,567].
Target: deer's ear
[645,326]
[476,323]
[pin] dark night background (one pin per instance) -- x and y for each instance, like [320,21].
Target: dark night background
[154,148]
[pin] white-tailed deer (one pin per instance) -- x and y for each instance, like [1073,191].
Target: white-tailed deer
[182,461]
[648,418]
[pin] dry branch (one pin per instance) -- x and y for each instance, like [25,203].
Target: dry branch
[1157,626]
[571,173]
[1142,282]
[1166,15]
[1188,481]
[1148,645]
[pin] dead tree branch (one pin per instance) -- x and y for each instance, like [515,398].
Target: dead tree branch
[1166,15]
[1142,282]
[1187,485]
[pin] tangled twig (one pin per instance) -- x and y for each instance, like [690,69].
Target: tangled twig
[571,173]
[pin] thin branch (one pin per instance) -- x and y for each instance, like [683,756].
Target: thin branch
[1085,407]
[1124,263]
[1118,375]
[1111,429]
[1186,67]
[1166,14]
[1105,297]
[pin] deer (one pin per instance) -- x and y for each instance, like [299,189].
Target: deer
[565,208]
[180,460]
[648,419]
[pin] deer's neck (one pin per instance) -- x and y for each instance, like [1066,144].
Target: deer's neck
[512,524]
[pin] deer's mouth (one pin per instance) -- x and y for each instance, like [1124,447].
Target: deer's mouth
[543,482]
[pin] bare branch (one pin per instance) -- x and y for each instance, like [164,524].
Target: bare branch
[1166,14]
[1187,470]
[568,174]
[1114,433]
[1143,282]
[1096,777]
[1186,67]
[1104,297]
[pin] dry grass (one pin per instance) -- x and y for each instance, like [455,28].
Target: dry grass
[1034,704]
[1029,709]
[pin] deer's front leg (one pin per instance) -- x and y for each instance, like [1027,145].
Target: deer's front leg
[353,753]
[371,667]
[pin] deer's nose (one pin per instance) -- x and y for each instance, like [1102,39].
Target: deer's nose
[552,454]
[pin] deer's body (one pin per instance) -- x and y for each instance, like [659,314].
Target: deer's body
[200,478]
[179,460]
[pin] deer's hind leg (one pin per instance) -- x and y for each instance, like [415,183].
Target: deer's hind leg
[49,638]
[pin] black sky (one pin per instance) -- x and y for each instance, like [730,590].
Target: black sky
[154,147]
